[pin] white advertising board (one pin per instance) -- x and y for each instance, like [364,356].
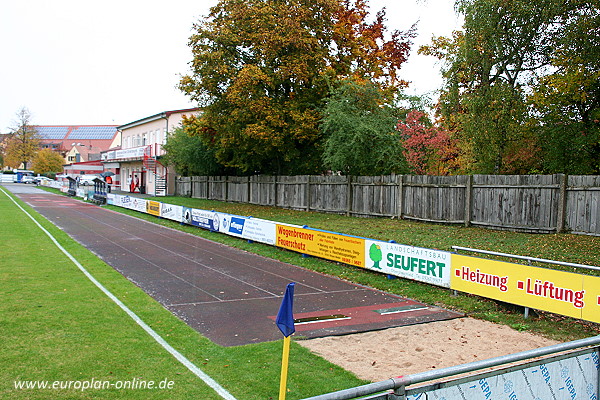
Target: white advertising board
[138,204]
[416,263]
[172,212]
[256,229]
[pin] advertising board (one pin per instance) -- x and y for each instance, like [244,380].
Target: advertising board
[138,204]
[540,288]
[323,244]
[172,212]
[153,208]
[256,229]
[416,263]
[201,218]
[124,201]
[591,312]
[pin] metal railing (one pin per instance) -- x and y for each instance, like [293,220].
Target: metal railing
[396,388]
[529,259]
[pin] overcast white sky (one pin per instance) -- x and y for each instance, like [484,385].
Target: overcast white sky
[74,62]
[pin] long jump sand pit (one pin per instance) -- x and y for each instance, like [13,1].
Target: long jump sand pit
[388,353]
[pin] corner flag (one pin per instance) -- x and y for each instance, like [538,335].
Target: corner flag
[285,316]
[285,323]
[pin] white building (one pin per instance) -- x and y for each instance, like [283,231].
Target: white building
[138,158]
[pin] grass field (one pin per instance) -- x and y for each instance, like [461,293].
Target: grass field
[58,327]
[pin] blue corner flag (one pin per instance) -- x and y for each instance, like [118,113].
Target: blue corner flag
[285,316]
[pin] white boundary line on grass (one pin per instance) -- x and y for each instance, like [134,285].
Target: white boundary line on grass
[180,357]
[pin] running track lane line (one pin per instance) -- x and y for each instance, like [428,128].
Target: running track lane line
[180,357]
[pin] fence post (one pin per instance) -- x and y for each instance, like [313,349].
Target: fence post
[248,190]
[275,190]
[208,186]
[469,200]
[307,193]
[400,194]
[348,195]
[562,203]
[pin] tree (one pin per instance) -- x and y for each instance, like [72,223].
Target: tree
[47,162]
[261,70]
[489,68]
[188,153]
[360,132]
[23,141]
[428,149]
[376,255]
[567,100]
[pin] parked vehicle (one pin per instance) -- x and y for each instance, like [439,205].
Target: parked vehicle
[40,180]
[27,179]
[87,179]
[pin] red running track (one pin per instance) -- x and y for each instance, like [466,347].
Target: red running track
[228,295]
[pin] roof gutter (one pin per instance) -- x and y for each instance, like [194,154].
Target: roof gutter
[155,117]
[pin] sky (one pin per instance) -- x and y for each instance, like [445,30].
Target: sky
[74,62]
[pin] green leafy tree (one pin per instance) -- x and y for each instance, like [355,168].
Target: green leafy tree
[47,162]
[188,153]
[261,70]
[359,126]
[489,68]
[567,101]
[23,141]
[376,255]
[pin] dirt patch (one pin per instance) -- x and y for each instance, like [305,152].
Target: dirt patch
[380,355]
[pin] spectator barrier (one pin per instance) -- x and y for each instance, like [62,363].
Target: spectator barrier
[563,371]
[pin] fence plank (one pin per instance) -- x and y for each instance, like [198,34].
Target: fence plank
[530,203]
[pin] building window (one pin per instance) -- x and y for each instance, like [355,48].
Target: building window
[71,158]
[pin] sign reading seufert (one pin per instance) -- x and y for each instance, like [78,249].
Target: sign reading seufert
[420,264]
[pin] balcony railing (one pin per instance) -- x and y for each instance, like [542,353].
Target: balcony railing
[152,150]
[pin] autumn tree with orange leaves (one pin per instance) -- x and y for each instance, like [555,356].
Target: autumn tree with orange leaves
[263,70]
[428,149]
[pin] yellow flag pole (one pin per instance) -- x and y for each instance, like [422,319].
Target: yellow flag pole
[284,367]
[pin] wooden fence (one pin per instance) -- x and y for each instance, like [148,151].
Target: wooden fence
[530,203]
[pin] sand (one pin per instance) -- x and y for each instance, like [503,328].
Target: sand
[380,355]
